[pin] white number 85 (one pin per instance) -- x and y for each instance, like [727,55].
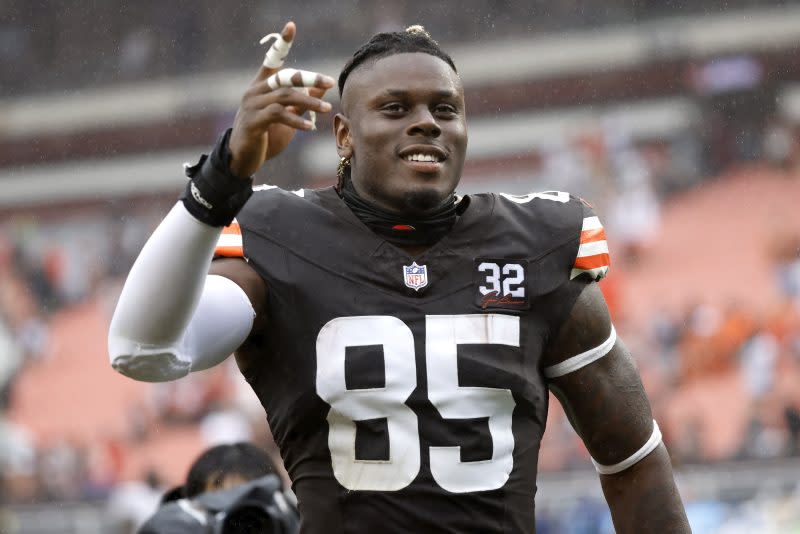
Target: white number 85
[443,334]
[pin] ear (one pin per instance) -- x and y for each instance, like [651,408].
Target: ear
[341,130]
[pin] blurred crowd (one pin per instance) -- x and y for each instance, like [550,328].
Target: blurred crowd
[48,46]
[51,264]
[52,267]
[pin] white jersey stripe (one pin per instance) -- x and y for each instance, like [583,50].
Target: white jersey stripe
[230,240]
[647,448]
[592,248]
[596,273]
[591,223]
[583,359]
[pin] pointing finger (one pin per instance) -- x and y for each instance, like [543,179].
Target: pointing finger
[276,54]
[280,46]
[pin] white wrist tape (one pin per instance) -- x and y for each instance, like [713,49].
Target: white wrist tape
[148,339]
[583,359]
[277,52]
[636,457]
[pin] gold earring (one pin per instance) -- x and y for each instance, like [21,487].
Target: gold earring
[343,164]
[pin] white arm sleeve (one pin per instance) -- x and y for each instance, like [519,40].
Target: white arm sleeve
[172,317]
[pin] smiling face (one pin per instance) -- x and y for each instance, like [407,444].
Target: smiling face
[404,129]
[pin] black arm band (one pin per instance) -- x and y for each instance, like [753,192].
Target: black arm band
[213,195]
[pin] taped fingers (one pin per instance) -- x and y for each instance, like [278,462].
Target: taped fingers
[278,50]
[298,78]
[289,97]
[277,53]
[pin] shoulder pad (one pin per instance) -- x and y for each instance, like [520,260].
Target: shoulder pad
[265,199]
[572,225]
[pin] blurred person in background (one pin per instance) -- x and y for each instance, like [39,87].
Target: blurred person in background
[345,288]
[132,502]
[786,254]
[10,362]
[18,475]
[224,467]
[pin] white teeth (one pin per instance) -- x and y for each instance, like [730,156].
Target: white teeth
[421,157]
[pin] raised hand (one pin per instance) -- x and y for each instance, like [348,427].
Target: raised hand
[271,111]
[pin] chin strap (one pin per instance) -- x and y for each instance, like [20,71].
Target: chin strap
[399,230]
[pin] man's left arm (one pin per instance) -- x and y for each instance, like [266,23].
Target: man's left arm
[594,377]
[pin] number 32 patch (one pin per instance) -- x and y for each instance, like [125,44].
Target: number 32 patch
[501,283]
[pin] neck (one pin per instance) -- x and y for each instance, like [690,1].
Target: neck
[411,206]
[413,233]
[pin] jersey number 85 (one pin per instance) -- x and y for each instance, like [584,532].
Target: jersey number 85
[443,335]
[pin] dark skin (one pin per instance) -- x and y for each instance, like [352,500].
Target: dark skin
[608,407]
[414,103]
[385,117]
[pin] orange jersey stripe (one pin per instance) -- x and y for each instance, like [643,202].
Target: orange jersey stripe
[230,242]
[232,228]
[592,262]
[229,252]
[589,236]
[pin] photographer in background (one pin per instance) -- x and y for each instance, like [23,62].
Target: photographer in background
[229,489]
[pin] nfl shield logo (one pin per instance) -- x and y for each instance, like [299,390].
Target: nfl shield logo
[416,276]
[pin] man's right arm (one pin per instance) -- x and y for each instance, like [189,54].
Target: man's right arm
[173,317]
[176,313]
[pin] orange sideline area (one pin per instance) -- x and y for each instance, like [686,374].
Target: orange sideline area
[74,395]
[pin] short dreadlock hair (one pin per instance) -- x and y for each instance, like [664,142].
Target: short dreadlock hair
[413,39]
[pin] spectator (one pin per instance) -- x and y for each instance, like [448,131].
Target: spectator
[225,466]
[225,424]
[227,484]
[634,211]
[759,356]
[791,413]
[133,502]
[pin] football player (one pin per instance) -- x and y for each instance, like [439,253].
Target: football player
[402,339]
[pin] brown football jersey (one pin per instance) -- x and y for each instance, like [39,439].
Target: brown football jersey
[406,394]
